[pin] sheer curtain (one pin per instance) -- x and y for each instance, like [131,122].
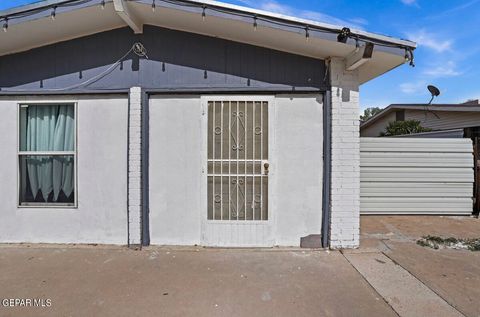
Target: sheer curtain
[50,128]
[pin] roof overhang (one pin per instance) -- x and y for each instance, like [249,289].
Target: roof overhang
[231,22]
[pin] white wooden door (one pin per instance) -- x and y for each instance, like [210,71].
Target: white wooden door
[237,171]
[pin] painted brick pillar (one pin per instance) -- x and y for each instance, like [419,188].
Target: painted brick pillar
[134,166]
[345,183]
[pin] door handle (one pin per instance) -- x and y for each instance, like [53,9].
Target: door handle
[265,167]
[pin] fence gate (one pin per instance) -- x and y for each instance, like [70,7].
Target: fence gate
[237,172]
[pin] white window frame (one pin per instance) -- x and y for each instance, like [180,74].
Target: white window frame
[57,153]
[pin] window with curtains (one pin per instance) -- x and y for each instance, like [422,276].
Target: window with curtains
[47,154]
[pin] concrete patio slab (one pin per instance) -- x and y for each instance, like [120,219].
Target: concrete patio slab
[185,282]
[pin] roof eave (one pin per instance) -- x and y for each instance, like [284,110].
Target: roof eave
[287,18]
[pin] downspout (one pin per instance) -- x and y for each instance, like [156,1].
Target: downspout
[327,164]
[145,221]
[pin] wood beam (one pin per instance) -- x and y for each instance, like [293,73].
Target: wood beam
[122,9]
[359,57]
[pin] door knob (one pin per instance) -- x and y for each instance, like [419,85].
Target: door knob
[266,166]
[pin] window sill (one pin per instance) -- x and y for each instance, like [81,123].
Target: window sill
[47,205]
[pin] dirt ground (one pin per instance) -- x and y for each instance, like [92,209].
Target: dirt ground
[452,274]
[161,281]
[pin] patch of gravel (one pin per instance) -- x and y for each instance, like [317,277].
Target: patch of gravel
[436,243]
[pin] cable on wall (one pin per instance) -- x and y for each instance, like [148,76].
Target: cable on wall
[137,48]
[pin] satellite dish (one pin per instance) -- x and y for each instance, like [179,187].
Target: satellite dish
[435,93]
[433,90]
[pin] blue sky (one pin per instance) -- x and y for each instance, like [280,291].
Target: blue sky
[447,33]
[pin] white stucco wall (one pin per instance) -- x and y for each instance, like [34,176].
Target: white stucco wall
[175,165]
[298,160]
[101,215]
[177,184]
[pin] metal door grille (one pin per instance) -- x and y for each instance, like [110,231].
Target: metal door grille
[238,160]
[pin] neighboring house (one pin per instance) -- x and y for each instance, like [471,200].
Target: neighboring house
[445,120]
[181,122]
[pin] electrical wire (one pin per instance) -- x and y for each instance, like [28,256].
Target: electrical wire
[31,12]
[280,22]
[137,48]
[244,15]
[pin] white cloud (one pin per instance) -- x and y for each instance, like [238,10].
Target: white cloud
[413,87]
[460,7]
[359,21]
[274,6]
[463,6]
[430,40]
[449,69]
[409,2]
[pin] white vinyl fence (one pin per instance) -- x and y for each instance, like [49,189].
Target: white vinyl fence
[416,176]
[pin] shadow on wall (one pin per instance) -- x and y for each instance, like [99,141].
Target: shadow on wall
[345,93]
[176,60]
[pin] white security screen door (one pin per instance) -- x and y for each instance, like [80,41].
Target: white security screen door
[237,171]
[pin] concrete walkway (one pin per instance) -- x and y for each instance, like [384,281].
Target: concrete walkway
[96,281]
[388,276]
[408,296]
